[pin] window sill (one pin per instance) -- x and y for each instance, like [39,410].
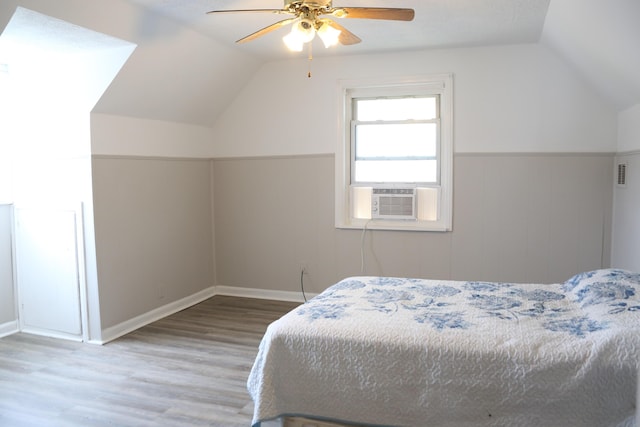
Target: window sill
[393,225]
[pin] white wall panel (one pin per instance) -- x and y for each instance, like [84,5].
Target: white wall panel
[50,280]
[626,223]
[7,297]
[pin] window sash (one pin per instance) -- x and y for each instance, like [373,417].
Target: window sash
[357,100]
[356,158]
[426,146]
[394,158]
[395,172]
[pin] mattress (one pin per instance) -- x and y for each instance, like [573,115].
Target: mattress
[383,351]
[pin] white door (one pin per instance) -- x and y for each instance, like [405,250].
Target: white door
[47,271]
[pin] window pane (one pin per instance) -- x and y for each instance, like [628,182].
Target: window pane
[396,171]
[396,109]
[396,140]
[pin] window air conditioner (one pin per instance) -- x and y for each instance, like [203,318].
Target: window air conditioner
[393,203]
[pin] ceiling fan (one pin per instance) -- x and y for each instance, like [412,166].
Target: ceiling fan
[311,17]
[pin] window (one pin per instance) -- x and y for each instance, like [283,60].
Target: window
[394,140]
[396,150]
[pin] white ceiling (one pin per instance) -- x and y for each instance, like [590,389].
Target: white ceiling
[437,24]
[29,28]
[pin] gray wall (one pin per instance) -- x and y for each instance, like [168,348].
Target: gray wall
[154,239]
[522,218]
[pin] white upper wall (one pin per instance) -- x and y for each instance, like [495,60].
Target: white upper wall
[127,136]
[601,39]
[520,98]
[629,129]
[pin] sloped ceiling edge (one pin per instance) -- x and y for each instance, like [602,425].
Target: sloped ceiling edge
[601,39]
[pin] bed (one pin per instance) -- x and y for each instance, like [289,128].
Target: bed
[381,351]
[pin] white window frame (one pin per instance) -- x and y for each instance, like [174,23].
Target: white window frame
[441,85]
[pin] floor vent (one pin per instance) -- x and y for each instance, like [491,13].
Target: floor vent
[622,175]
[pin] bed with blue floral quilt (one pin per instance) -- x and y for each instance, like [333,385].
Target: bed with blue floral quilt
[379,351]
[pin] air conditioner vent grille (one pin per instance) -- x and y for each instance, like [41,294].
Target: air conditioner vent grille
[396,205]
[393,203]
[622,174]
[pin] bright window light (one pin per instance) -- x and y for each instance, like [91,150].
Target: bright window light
[396,109]
[396,140]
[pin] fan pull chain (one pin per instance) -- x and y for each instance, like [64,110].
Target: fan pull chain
[310,59]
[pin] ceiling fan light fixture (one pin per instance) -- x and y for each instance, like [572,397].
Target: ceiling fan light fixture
[293,42]
[306,23]
[328,35]
[305,29]
[302,31]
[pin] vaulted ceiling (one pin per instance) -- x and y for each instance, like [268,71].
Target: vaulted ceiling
[601,39]
[188,68]
[437,24]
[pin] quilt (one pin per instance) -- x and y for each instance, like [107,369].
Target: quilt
[383,351]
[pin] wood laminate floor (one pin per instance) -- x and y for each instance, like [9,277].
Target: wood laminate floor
[189,369]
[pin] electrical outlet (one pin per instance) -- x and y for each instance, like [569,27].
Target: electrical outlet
[304,268]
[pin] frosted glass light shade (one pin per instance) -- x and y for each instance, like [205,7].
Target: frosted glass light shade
[302,32]
[293,42]
[305,29]
[328,35]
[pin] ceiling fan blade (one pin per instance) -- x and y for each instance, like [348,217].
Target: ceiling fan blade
[248,10]
[266,30]
[346,37]
[392,14]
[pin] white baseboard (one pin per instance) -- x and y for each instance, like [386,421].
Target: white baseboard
[9,328]
[116,331]
[113,332]
[233,291]
[51,333]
